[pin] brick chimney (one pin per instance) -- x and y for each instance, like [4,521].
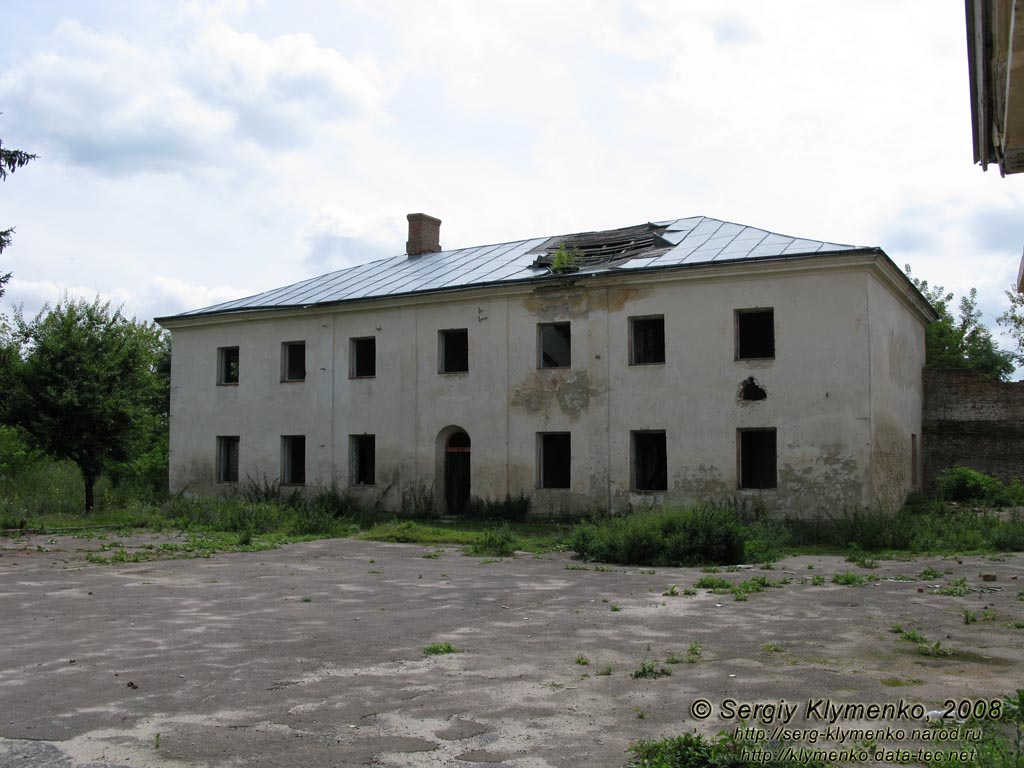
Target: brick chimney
[424,234]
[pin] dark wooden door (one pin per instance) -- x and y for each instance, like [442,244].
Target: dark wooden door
[456,473]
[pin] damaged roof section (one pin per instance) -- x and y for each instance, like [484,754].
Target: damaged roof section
[677,244]
[591,249]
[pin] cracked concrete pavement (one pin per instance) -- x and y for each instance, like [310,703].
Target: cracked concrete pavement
[312,654]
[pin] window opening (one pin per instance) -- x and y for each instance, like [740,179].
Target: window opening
[758,458]
[454,351]
[755,334]
[555,342]
[293,459]
[362,449]
[227,365]
[751,390]
[650,461]
[363,354]
[293,361]
[555,460]
[647,335]
[227,459]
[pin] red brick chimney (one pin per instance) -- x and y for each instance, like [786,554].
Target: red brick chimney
[424,234]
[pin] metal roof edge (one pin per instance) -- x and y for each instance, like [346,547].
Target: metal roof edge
[553,279]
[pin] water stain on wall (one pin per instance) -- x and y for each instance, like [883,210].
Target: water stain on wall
[540,389]
[550,304]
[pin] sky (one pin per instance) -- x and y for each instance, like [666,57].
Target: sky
[194,152]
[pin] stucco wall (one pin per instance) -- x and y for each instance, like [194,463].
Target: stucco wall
[897,359]
[824,387]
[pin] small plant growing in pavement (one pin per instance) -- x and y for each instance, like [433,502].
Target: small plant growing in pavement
[672,591]
[650,670]
[693,653]
[850,579]
[934,649]
[957,588]
[713,582]
[439,649]
[582,660]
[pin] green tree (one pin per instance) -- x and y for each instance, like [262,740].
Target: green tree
[961,341]
[82,382]
[10,161]
[1013,320]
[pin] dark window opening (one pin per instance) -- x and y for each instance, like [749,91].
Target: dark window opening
[227,459]
[650,461]
[227,365]
[364,358]
[751,390]
[555,460]
[454,351]
[555,341]
[293,363]
[757,458]
[293,459]
[362,449]
[755,334]
[647,335]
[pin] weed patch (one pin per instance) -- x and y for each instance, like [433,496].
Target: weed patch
[672,537]
[440,649]
[649,670]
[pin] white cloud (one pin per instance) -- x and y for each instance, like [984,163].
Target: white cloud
[336,237]
[100,100]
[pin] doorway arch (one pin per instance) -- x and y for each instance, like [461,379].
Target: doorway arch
[455,478]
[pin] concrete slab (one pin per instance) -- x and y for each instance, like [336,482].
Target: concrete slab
[312,654]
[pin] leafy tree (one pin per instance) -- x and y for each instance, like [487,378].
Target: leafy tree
[963,341]
[82,382]
[10,161]
[1013,320]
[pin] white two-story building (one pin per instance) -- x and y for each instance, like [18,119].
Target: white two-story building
[683,360]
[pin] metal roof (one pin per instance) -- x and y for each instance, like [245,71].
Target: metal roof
[677,243]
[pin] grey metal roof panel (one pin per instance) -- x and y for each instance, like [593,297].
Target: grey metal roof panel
[693,240]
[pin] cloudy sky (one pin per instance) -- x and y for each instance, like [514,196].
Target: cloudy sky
[193,152]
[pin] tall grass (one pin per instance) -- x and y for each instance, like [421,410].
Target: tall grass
[663,537]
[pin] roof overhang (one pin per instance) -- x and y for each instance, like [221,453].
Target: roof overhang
[995,52]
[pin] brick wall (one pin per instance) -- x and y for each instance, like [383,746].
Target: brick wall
[972,421]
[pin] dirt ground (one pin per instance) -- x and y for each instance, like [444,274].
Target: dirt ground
[312,654]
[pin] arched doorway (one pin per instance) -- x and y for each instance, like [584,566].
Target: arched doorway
[456,472]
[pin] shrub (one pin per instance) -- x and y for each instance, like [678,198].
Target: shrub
[496,542]
[966,484]
[766,541]
[512,508]
[314,520]
[665,537]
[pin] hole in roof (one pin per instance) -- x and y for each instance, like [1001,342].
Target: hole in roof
[594,248]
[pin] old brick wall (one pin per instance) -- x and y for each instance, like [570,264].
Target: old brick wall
[972,421]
